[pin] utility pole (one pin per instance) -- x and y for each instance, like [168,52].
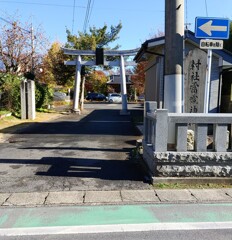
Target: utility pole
[32,49]
[173,75]
[174,37]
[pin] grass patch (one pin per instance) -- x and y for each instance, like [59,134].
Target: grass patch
[192,186]
[2,112]
[45,110]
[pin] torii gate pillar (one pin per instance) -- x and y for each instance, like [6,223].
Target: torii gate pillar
[76,97]
[123,87]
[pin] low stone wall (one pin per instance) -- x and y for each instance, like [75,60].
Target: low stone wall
[188,164]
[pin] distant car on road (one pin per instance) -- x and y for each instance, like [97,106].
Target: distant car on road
[59,96]
[114,98]
[95,97]
[141,97]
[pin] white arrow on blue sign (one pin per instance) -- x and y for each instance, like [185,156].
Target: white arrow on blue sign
[212,28]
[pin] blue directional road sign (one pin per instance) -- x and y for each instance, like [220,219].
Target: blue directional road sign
[212,28]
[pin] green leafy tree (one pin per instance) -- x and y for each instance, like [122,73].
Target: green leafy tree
[96,37]
[10,91]
[54,72]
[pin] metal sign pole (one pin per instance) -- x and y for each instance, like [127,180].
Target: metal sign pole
[207,83]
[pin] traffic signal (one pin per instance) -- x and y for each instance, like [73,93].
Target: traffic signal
[99,56]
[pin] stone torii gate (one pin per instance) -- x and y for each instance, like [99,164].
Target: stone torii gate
[79,63]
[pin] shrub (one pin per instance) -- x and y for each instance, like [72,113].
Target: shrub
[43,95]
[10,92]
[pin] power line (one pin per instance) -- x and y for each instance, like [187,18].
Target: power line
[43,4]
[206,8]
[91,11]
[83,7]
[86,16]
[186,15]
[73,20]
[13,24]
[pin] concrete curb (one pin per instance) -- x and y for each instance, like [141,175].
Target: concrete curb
[159,196]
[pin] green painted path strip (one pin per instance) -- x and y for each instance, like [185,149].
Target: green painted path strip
[116,214]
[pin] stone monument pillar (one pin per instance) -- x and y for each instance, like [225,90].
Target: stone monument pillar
[27,90]
[195,74]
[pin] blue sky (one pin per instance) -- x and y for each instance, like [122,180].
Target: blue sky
[140,19]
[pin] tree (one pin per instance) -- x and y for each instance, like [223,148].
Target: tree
[96,82]
[20,47]
[10,91]
[97,37]
[228,43]
[54,72]
[138,78]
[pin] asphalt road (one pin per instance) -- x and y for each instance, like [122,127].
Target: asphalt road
[87,152]
[222,234]
[142,222]
[91,152]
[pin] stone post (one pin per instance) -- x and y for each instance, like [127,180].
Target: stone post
[31,99]
[23,99]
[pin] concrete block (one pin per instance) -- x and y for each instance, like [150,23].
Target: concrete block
[220,137]
[139,196]
[181,133]
[161,131]
[102,197]
[24,199]
[174,195]
[201,138]
[213,195]
[74,197]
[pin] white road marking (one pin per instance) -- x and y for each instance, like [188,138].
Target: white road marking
[114,228]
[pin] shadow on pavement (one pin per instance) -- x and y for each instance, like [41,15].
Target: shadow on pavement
[98,122]
[112,164]
[81,168]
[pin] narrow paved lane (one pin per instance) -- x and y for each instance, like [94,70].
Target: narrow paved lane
[73,153]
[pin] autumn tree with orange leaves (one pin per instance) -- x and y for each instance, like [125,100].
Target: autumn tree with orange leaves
[96,82]
[138,78]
